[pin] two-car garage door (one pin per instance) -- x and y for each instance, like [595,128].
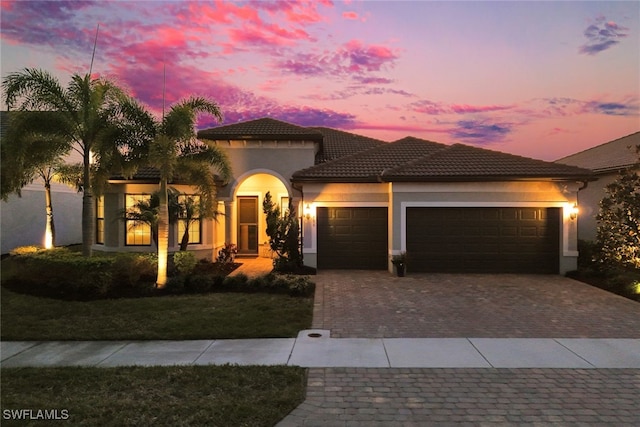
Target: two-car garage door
[473,240]
[483,240]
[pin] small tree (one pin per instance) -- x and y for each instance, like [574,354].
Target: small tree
[619,221]
[36,153]
[283,232]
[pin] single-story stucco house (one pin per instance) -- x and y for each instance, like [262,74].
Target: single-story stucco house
[452,208]
[606,161]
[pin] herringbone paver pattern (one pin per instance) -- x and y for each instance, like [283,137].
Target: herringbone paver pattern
[374,304]
[485,397]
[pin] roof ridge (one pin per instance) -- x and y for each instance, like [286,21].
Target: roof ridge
[347,133]
[418,159]
[339,159]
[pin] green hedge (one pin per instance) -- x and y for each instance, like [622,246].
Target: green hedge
[269,283]
[61,273]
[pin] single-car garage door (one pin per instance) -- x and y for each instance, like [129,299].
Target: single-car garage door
[483,240]
[352,238]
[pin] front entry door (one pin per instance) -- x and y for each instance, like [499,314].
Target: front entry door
[248,225]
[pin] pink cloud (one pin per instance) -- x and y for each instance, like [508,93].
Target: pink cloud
[353,60]
[464,108]
[436,108]
[350,15]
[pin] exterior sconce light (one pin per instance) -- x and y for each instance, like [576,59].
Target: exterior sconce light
[573,213]
[309,214]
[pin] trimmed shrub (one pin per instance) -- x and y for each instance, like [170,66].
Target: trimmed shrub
[184,262]
[131,269]
[176,284]
[60,272]
[199,283]
[236,283]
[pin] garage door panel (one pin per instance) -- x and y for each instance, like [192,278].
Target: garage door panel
[514,240]
[352,238]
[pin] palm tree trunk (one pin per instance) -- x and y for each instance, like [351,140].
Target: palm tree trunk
[184,243]
[87,209]
[50,229]
[163,235]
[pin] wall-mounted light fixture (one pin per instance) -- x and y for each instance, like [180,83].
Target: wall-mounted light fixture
[573,212]
[309,213]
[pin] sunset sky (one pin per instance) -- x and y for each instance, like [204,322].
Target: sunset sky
[540,79]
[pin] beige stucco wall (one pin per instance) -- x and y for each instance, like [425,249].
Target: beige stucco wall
[278,158]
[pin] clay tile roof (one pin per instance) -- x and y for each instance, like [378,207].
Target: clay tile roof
[339,144]
[368,165]
[614,155]
[463,162]
[144,173]
[261,129]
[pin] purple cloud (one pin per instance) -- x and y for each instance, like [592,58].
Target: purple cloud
[612,108]
[353,60]
[45,23]
[601,36]
[480,132]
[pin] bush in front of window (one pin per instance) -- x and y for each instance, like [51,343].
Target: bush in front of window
[184,262]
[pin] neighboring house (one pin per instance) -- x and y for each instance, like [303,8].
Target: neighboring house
[606,161]
[22,219]
[452,208]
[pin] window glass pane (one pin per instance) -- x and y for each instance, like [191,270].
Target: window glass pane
[138,233]
[100,220]
[194,231]
[284,205]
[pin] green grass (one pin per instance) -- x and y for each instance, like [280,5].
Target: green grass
[205,316]
[199,316]
[159,396]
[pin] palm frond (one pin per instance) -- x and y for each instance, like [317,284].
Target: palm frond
[33,90]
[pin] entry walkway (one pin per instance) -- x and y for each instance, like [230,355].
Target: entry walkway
[253,266]
[315,349]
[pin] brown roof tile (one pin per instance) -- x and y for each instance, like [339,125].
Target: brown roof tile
[338,143]
[261,129]
[368,165]
[462,162]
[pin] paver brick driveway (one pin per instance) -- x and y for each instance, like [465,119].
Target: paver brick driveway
[374,304]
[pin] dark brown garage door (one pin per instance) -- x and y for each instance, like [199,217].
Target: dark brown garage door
[483,240]
[352,238]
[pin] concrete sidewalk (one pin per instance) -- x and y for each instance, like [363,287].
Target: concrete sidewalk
[313,351]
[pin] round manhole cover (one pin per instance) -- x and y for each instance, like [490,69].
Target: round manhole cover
[314,335]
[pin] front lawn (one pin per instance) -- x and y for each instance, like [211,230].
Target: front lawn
[183,317]
[159,396]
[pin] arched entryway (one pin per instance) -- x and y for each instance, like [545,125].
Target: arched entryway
[250,224]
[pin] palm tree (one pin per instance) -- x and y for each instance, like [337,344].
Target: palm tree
[35,154]
[176,152]
[94,117]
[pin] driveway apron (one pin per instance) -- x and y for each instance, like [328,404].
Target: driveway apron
[369,304]
[375,304]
